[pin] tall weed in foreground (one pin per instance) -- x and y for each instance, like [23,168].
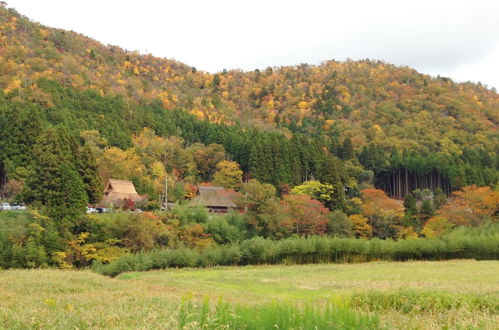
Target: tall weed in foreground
[272,315]
[409,301]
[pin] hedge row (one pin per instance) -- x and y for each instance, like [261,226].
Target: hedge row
[478,244]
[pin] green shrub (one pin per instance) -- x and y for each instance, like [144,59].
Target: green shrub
[225,229]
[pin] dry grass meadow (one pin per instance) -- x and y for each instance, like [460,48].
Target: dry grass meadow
[409,295]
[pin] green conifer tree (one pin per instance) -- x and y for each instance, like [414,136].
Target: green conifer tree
[89,172]
[347,151]
[410,205]
[53,183]
[427,210]
[439,199]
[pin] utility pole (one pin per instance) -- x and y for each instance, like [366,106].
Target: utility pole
[165,204]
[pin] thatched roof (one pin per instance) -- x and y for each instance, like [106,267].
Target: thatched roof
[117,190]
[214,197]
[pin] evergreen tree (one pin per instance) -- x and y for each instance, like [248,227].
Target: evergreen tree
[330,171]
[19,129]
[71,198]
[339,201]
[410,205]
[53,183]
[439,198]
[280,154]
[427,210]
[216,82]
[260,160]
[294,164]
[347,151]
[89,172]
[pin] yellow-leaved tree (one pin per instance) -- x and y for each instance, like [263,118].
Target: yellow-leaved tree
[361,226]
[120,164]
[228,174]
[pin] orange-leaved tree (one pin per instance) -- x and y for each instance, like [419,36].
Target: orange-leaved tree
[384,214]
[470,206]
[303,215]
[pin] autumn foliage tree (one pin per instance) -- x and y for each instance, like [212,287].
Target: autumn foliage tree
[361,226]
[120,164]
[470,206]
[321,192]
[303,216]
[256,196]
[384,214]
[144,232]
[228,175]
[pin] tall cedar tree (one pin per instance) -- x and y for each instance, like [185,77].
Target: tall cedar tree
[89,172]
[410,205]
[19,129]
[347,151]
[54,183]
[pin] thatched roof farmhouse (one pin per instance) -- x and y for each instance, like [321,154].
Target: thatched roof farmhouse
[216,199]
[117,191]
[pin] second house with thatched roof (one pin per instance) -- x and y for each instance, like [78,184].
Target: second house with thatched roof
[215,199]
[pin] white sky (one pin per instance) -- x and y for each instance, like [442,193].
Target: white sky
[453,38]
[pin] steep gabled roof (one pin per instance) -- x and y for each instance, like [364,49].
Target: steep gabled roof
[214,197]
[119,190]
[120,186]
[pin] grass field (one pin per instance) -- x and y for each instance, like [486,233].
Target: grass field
[412,295]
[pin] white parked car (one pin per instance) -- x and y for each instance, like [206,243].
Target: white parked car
[5,207]
[101,210]
[18,207]
[91,210]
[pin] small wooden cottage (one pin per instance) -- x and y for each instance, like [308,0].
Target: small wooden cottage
[215,199]
[118,192]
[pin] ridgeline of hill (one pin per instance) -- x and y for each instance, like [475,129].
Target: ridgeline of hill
[347,123]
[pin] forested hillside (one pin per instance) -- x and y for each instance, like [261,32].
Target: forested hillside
[306,150]
[282,125]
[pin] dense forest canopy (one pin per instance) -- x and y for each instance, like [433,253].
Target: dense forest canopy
[346,123]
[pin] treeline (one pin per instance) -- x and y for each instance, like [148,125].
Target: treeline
[270,157]
[107,243]
[478,243]
[399,173]
[64,238]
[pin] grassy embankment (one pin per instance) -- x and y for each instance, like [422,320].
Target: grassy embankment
[371,295]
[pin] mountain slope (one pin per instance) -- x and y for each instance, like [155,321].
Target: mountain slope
[367,100]
[391,117]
